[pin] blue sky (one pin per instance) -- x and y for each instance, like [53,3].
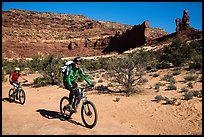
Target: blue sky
[159,14]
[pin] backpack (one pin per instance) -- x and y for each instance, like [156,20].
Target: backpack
[64,68]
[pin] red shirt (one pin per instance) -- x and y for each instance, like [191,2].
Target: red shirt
[15,76]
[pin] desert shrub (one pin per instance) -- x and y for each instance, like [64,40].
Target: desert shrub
[152,70]
[176,68]
[176,72]
[93,65]
[184,90]
[196,55]
[3,76]
[190,84]
[9,66]
[154,63]
[159,98]
[143,80]
[171,87]
[179,52]
[188,95]
[196,93]
[42,81]
[100,81]
[163,65]
[49,67]
[101,88]
[169,78]
[35,63]
[190,77]
[155,75]
[127,72]
[171,101]
[146,57]
[171,53]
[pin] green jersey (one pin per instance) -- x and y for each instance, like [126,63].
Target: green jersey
[72,75]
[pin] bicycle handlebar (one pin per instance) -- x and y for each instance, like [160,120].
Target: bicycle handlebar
[83,88]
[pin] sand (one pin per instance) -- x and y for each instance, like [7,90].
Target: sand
[138,114]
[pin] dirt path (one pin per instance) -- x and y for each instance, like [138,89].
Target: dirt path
[136,114]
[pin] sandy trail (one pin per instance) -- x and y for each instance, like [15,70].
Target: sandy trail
[136,114]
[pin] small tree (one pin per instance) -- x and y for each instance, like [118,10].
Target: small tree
[127,71]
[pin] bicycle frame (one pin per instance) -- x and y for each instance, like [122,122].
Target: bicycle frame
[84,99]
[88,109]
[17,86]
[82,96]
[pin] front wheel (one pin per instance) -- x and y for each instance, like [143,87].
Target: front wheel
[89,114]
[21,96]
[11,95]
[64,109]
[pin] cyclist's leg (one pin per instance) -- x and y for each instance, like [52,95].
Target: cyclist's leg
[71,94]
[14,83]
[77,95]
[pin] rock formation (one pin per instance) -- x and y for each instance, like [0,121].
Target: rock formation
[28,34]
[178,24]
[135,37]
[184,24]
[185,20]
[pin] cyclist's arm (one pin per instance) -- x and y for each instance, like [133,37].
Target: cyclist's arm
[81,73]
[22,77]
[68,78]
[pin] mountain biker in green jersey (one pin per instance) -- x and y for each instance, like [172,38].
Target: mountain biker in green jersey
[70,75]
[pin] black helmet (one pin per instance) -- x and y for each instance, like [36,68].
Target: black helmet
[77,59]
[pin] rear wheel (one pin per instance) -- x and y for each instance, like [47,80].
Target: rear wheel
[64,109]
[89,114]
[11,95]
[21,96]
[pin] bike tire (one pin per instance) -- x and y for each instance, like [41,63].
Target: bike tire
[90,105]
[21,96]
[11,97]
[63,102]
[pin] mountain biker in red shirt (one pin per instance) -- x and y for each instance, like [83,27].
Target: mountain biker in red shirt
[13,77]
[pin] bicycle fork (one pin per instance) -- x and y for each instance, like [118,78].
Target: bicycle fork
[86,109]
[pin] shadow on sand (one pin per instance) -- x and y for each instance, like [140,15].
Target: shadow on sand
[57,115]
[9,100]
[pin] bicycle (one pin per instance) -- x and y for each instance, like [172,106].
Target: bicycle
[88,110]
[17,93]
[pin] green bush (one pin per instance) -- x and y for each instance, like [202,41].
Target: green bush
[176,72]
[35,63]
[190,84]
[196,93]
[184,90]
[188,95]
[190,77]
[169,78]
[127,72]
[171,87]
[49,67]
[180,52]
[3,76]
[143,80]
[155,75]
[9,66]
